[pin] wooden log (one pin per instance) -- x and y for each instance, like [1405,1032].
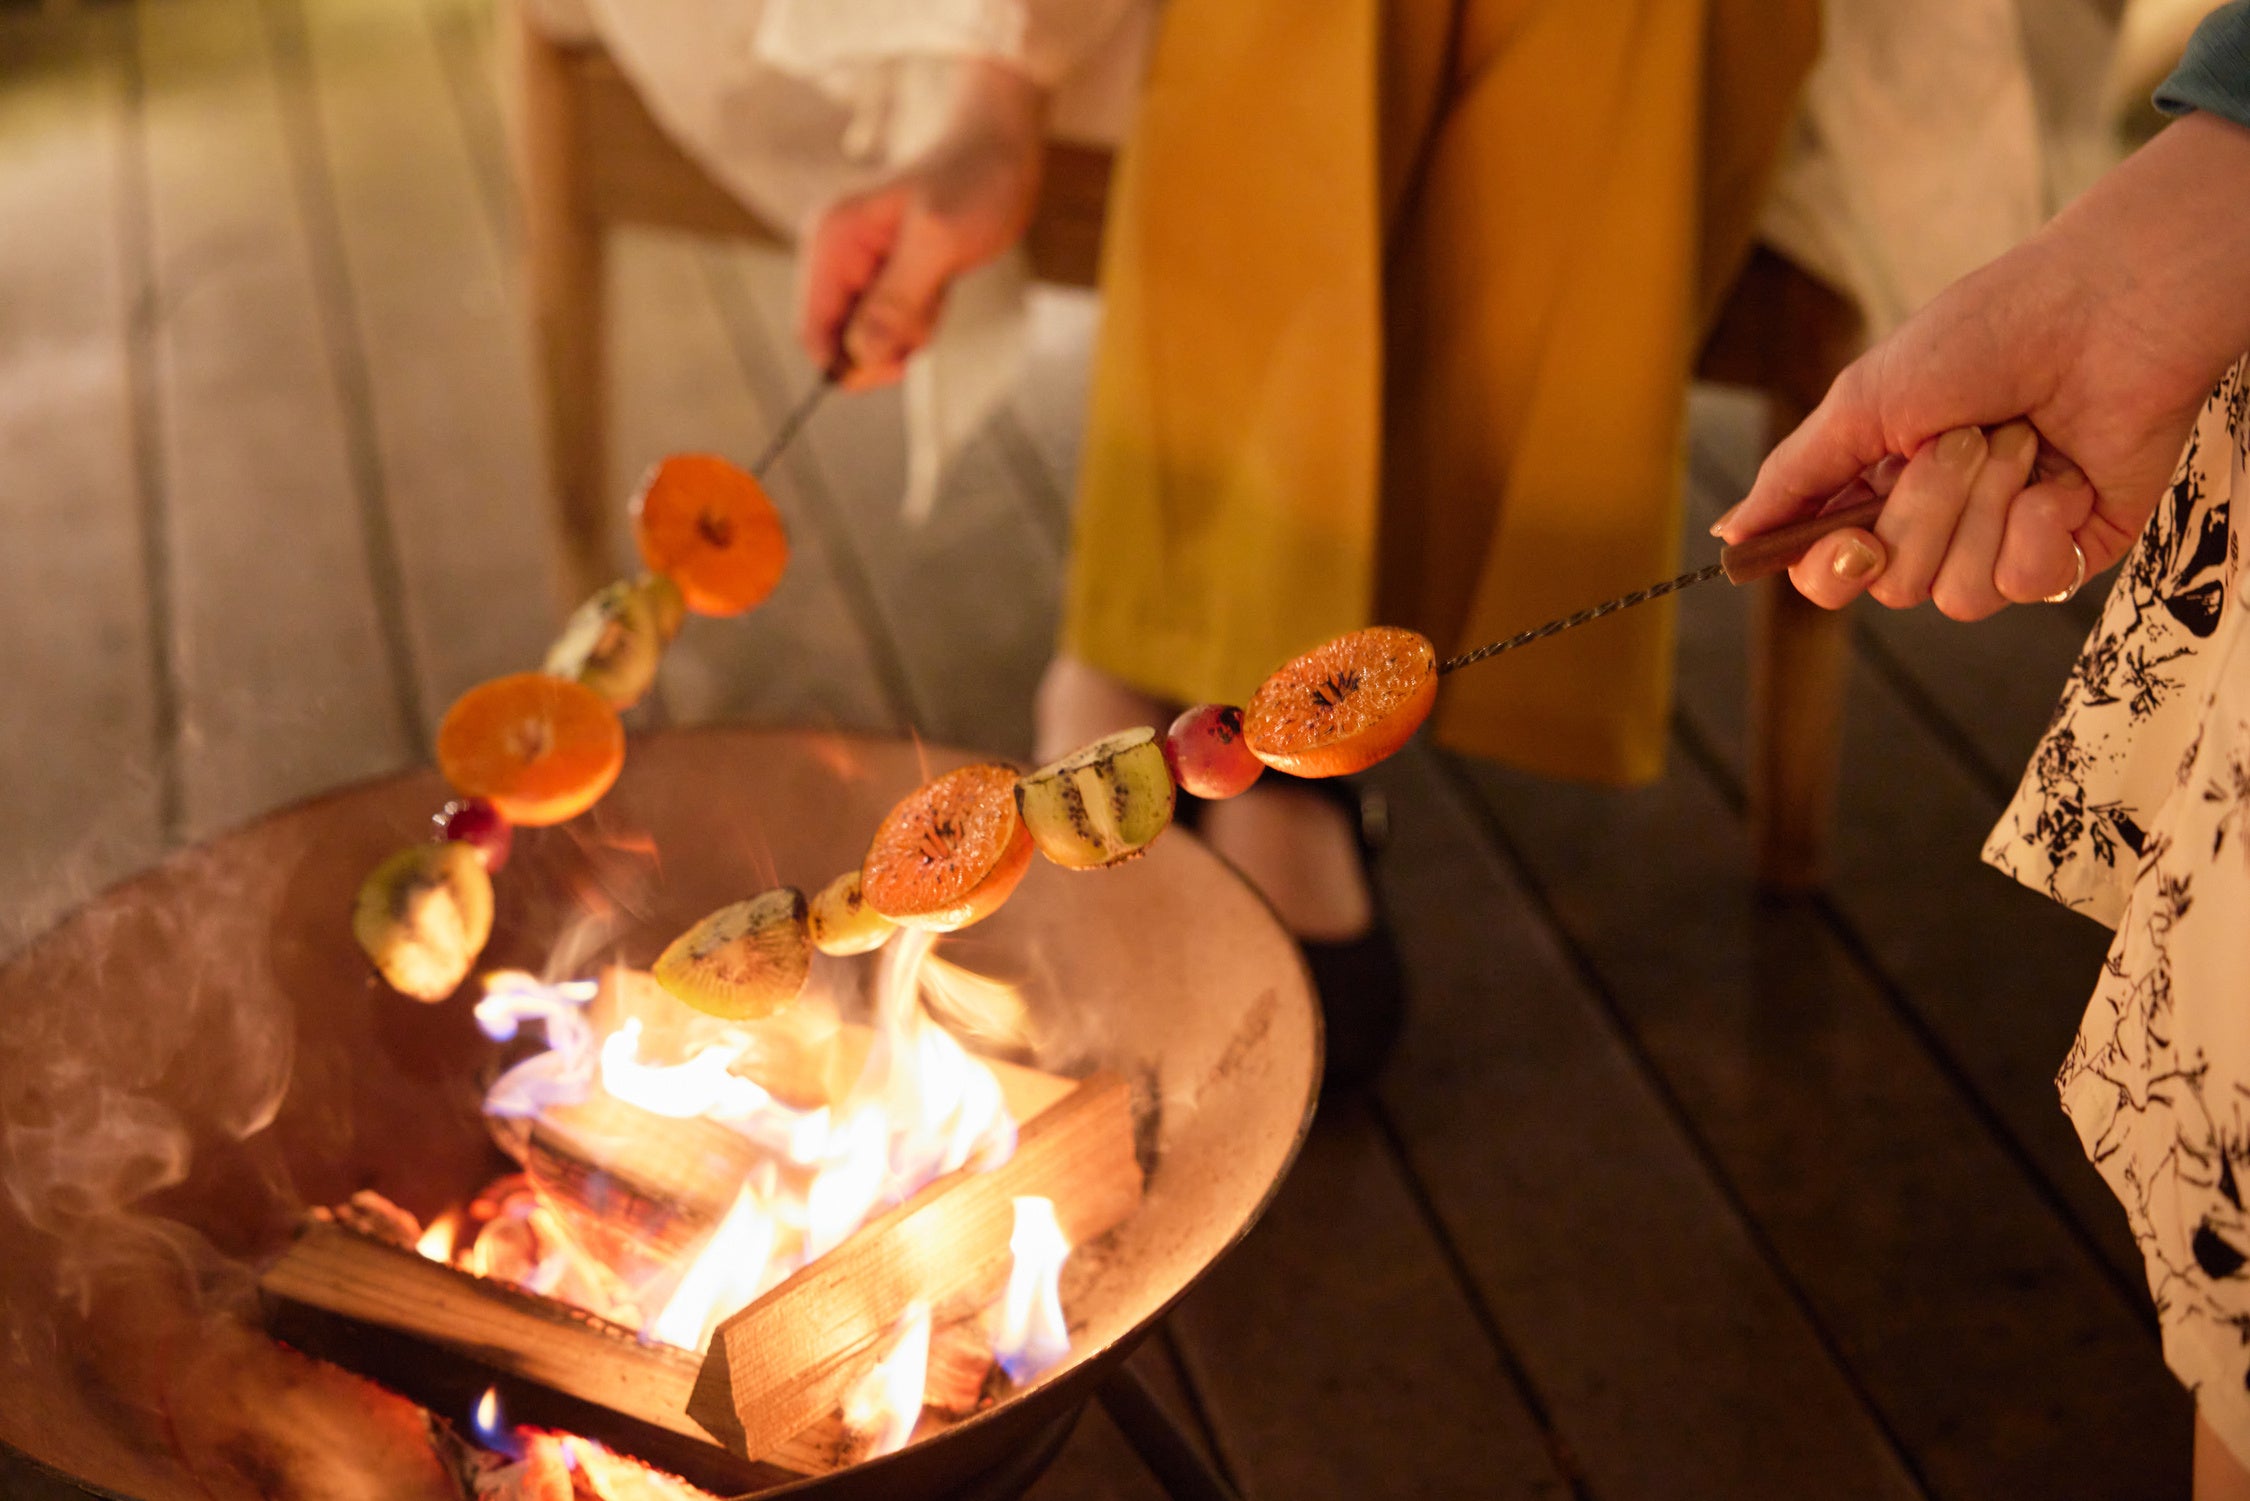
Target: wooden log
[961,1367]
[441,1336]
[788,1358]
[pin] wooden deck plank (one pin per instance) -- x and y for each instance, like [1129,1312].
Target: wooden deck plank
[1622,1275]
[1336,1353]
[1908,885]
[288,685]
[85,750]
[1994,1343]
[442,341]
[1096,1465]
[971,653]
[802,657]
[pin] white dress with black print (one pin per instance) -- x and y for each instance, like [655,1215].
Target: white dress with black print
[2136,811]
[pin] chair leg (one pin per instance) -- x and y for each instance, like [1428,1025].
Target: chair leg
[1784,333]
[564,274]
[1798,662]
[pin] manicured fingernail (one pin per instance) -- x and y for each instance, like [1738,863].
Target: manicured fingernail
[1719,527]
[1855,560]
[2015,441]
[1961,448]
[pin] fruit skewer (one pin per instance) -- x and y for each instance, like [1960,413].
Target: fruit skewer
[950,853]
[542,747]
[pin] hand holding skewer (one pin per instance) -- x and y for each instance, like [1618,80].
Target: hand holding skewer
[2098,338]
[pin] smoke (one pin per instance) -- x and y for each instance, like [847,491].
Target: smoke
[142,1024]
[85,1149]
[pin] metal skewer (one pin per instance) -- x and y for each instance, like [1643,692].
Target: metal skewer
[1856,504]
[798,416]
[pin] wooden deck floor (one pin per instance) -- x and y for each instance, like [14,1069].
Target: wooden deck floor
[1672,1192]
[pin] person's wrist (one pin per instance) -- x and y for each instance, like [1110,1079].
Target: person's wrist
[2160,251]
[998,96]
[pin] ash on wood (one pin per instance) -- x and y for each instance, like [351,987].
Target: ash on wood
[788,1358]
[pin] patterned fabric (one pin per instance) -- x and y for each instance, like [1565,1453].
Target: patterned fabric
[2136,811]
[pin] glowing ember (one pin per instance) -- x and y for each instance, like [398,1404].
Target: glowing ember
[1033,1336]
[887,1402]
[565,1467]
[613,1477]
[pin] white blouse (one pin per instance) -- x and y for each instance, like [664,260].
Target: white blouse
[791,103]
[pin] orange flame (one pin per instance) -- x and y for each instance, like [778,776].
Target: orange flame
[437,1241]
[1033,1335]
[886,1403]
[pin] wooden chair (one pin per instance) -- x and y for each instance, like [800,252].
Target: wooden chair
[590,158]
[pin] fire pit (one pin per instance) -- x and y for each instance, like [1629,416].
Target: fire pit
[198,1057]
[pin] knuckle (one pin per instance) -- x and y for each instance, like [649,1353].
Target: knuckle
[1956,602]
[1897,593]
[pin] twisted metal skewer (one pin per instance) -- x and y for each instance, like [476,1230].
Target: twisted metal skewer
[1610,607]
[797,418]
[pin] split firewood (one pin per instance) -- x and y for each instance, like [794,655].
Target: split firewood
[638,1190]
[786,1360]
[441,1337]
[372,1215]
[961,1367]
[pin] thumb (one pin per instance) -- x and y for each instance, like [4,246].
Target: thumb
[895,316]
[1829,449]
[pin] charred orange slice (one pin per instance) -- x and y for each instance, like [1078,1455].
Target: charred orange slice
[1342,707]
[709,528]
[951,851]
[541,749]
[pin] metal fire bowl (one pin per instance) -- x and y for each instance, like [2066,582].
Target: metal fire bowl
[196,1055]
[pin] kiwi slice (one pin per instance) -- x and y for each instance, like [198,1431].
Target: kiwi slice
[613,643]
[743,961]
[666,605]
[423,916]
[1102,804]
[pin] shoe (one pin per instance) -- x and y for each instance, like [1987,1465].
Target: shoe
[1361,982]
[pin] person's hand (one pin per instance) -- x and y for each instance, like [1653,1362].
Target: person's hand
[875,265]
[2102,335]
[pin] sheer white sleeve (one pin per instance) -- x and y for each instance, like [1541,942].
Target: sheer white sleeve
[1047,39]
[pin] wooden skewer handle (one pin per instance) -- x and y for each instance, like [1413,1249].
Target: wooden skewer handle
[1770,553]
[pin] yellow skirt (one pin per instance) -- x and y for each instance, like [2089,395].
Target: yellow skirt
[1400,302]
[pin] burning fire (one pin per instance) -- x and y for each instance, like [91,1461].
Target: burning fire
[806,1167]
[1033,1336]
[887,1402]
[437,1241]
[537,1465]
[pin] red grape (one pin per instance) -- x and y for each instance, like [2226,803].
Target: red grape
[1207,754]
[475,822]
